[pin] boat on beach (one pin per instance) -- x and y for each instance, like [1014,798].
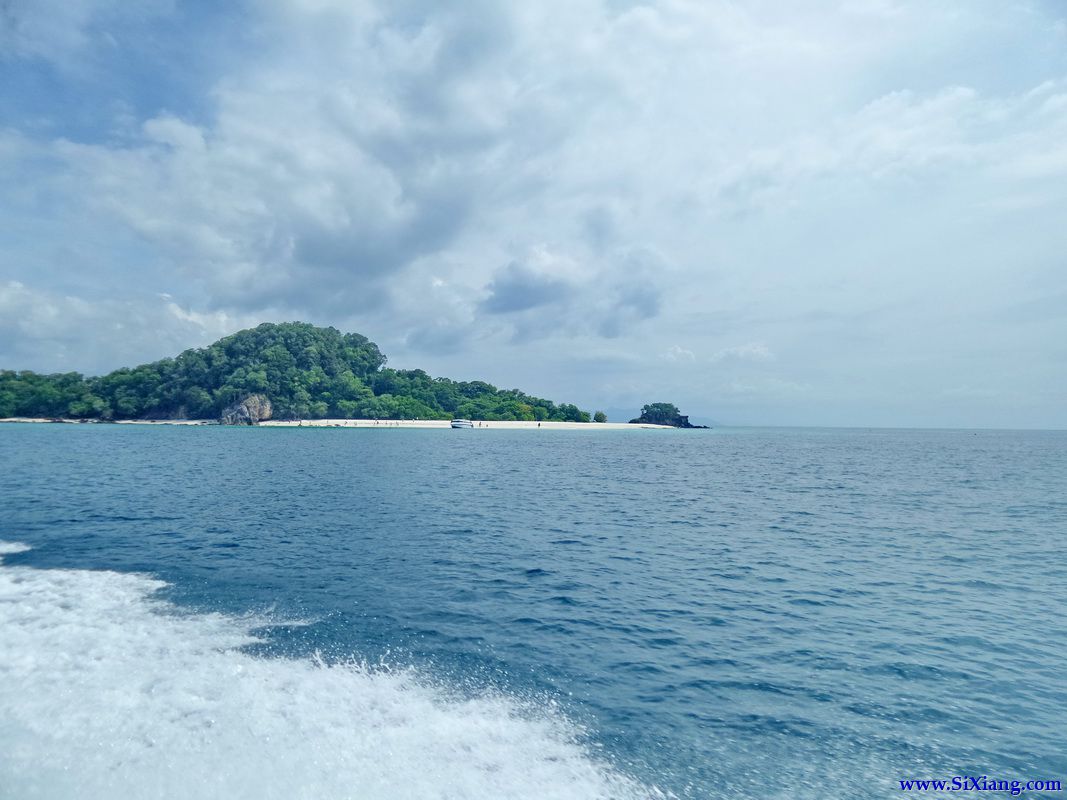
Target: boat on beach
[462,423]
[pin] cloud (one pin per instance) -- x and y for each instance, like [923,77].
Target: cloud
[486,183]
[51,332]
[555,294]
[519,288]
[63,31]
[630,291]
[769,386]
[752,351]
[676,353]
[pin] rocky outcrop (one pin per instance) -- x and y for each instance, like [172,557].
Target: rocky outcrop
[663,414]
[680,421]
[249,411]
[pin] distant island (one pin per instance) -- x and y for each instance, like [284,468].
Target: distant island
[290,370]
[663,414]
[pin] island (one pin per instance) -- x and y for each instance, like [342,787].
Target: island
[664,414]
[279,373]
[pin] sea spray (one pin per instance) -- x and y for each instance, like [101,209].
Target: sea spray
[108,691]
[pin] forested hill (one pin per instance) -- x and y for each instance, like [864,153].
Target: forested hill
[305,371]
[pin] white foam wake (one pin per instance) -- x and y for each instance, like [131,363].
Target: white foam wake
[106,691]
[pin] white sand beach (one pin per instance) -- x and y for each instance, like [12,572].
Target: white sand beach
[444,423]
[372,423]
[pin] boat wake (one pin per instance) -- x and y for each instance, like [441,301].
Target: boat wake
[108,691]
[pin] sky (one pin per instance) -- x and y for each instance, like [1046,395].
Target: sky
[822,212]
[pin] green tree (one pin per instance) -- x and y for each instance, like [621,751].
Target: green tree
[662,414]
[305,371]
[600,416]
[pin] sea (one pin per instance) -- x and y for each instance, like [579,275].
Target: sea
[217,612]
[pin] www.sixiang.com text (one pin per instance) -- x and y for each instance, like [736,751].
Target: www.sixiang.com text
[983,783]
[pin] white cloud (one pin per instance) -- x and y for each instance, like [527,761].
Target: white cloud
[769,387]
[752,351]
[521,182]
[169,130]
[61,31]
[60,333]
[676,353]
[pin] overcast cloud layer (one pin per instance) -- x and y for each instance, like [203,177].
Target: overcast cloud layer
[843,213]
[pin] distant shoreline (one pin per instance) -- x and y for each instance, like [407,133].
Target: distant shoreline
[361,423]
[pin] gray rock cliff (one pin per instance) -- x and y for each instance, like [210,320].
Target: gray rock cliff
[248,411]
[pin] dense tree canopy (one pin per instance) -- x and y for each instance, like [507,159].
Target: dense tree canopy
[307,372]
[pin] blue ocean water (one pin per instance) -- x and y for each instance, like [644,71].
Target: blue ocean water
[414,613]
